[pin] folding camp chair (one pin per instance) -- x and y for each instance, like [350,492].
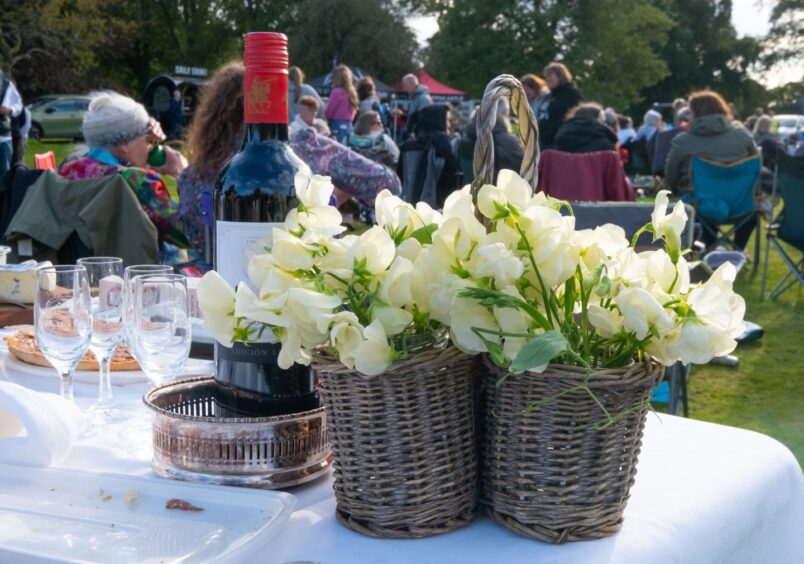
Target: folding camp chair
[723,197]
[588,177]
[788,226]
[45,161]
[631,217]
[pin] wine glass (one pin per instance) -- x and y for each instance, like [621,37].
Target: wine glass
[160,327]
[128,303]
[105,276]
[63,319]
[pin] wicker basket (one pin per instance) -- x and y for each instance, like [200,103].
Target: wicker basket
[550,474]
[404,443]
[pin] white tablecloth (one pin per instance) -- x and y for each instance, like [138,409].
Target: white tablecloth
[704,493]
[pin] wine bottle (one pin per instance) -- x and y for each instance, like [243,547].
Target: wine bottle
[253,193]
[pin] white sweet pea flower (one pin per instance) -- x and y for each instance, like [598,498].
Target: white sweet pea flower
[496,261]
[346,335]
[313,191]
[517,191]
[459,203]
[512,320]
[290,252]
[305,309]
[540,199]
[505,234]
[250,306]
[443,296]
[628,269]
[308,306]
[425,215]
[395,288]
[455,240]
[376,247]
[292,350]
[670,226]
[716,304]
[661,275]
[335,256]
[266,275]
[701,342]
[409,249]
[717,319]
[463,317]
[373,356]
[321,221]
[314,215]
[216,299]
[491,201]
[546,230]
[560,266]
[599,245]
[394,320]
[607,322]
[394,214]
[641,311]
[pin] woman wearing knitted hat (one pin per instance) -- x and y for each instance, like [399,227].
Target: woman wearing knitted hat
[120,135]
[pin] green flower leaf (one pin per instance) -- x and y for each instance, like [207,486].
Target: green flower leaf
[540,350]
[424,235]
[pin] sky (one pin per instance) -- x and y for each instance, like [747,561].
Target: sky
[750,17]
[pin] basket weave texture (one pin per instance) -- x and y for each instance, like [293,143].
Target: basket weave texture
[404,444]
[550,475]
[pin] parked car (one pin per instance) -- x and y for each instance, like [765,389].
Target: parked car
[60,116]
[787,125]
[40,101]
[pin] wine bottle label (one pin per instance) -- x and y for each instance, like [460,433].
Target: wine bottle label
[266,97]
[236,243]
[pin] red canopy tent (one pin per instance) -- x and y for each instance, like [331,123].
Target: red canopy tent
[439,91]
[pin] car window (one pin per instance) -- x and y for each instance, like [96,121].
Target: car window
[63,106]
[82,105]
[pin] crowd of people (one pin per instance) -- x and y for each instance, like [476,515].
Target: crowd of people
[347,138]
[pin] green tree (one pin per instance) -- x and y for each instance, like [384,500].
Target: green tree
[703,51]
[785,40]
[371,34]
[610,45]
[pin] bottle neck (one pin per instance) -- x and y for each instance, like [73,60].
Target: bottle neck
[258,132]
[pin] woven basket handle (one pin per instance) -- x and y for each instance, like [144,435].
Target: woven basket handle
[505,86]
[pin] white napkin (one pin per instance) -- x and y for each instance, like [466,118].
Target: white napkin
[36,429]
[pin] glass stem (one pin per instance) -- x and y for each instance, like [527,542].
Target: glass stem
[108,377]
[66,387]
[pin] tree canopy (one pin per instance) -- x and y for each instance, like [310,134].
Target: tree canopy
[623,53]
[611,46]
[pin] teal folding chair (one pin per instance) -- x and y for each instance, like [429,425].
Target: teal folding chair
[788,226]
[723,197]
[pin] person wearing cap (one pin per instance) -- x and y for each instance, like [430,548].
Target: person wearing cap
[120,136]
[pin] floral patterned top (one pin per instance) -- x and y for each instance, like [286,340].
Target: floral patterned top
[195,209]
[151,192]
[351,172]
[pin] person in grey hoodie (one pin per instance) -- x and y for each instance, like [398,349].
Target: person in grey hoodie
[713,135]
[419,98]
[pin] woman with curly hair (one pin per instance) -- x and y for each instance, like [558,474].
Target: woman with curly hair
[215,135]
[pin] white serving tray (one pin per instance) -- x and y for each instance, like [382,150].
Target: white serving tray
[55,515]
[15,368]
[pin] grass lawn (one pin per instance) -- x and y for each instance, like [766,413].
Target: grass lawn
[61,149]
[765,393]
